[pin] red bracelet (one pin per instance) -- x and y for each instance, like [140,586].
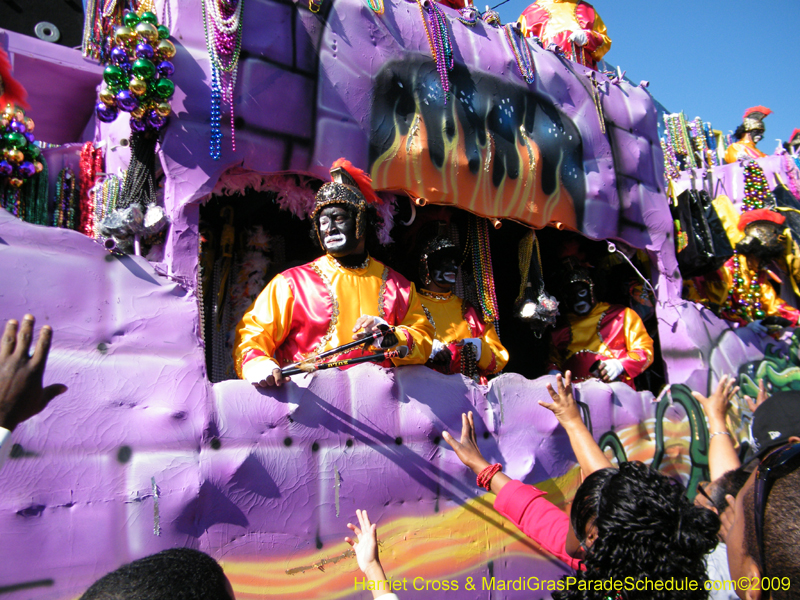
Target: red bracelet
[485,477]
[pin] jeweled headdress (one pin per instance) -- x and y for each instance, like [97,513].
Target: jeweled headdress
[437,244]
[350,185]
[753,119]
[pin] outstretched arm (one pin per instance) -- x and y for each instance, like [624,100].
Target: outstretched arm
[467,451]
[722,455]
[590,457]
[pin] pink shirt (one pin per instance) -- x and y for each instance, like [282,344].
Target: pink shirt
[538,518]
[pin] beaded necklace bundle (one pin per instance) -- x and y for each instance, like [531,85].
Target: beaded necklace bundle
[521,51]
[91,165]
[756,189]
[222,20]
[671,164]
[28,203]
[743,301]
[439,40]
[376,6]
[482,270]
[66,200]
[106,194]
[678,137]
[101,16]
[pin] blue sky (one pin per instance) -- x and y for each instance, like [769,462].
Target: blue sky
[708,58]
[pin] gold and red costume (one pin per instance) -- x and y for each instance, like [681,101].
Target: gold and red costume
[714,290]
[312,308]
[553,21]
[742,151]
[454,320]
[606,332]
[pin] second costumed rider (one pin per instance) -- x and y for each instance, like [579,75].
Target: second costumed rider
[600,340]
[456,323]
[342,296]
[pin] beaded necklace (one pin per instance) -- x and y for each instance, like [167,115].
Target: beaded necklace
[37,196]
[222,20]
[106,195]
[468,15]
[439,40]
[376,6]
[671,165]
[745,301]
[482,269]
[521,51]
[98,29]
[64,214]
[435,296]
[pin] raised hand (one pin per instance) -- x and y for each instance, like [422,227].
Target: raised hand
[366,547]
[716,405]
[762,395]
[467,448]
[21,391]
[564,406]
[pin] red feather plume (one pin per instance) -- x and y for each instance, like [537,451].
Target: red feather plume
[362,179]
[758,110]
[12,90]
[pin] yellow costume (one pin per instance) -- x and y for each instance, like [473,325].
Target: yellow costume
[553,21]
[454,321]
[606,332]
[742,150]
[313,308]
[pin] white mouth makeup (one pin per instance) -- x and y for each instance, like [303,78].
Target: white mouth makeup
[449,276]
[335,240]
[582,307]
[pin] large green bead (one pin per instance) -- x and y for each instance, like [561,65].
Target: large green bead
[131,19]
[148,17]
[34,150]
[113,75]
[143,69]
[165,88]
[15,140]
[163,32]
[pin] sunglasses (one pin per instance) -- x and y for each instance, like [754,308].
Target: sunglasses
[778,464]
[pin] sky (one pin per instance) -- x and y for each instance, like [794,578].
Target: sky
[707,58]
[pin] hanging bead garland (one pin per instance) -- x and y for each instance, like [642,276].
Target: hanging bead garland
[106,195]
[436,30]
[482,269]
[671,165]
[744,300]
[66,200]
[521,51]
[19,155]
[91,164]
[376,6]
[101,17]
[756,189]
[468,15]
[222,20]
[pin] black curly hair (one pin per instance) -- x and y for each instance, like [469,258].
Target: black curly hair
[647,529]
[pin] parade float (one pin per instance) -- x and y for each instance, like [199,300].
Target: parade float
[170,194]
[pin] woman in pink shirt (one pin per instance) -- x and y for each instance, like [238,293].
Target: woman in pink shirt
[631,522]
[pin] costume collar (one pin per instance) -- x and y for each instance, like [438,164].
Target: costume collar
[434,295]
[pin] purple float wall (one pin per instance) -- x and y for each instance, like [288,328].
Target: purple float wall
[143,453]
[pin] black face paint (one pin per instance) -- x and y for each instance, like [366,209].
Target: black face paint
[337,229]
[580,298]
[443,269]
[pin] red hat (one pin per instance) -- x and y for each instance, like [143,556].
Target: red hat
[757,112]
[795,133]
[760,214]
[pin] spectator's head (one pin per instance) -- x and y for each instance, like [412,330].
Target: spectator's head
[776,421]
[177,574]
[765,535]
[636,522]
[712,495]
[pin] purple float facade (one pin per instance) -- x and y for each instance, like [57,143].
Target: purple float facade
[143,453]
